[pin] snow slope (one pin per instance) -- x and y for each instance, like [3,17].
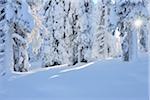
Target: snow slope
[101,80]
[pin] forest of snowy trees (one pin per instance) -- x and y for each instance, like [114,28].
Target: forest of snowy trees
[56,32]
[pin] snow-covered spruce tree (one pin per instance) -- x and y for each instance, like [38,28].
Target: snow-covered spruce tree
[3,32]
[102,30]
[69,44]
[66,47]
[113,47]
[85,8]
[61,17]
[74,36]
[141,13]
[148,8]
[54,22]
[99,33]
[124,27]
[21,26]
[47,42]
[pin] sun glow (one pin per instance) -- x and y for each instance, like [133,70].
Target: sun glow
[138,23]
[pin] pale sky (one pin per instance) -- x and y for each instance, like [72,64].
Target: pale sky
[95,1]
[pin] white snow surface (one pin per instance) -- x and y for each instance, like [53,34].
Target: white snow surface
[100,80]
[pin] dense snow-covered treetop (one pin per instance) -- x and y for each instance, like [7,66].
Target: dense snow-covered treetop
[135,1]
[24,13]
[71,31]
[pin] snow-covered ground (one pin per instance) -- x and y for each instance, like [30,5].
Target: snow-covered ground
[101,80]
